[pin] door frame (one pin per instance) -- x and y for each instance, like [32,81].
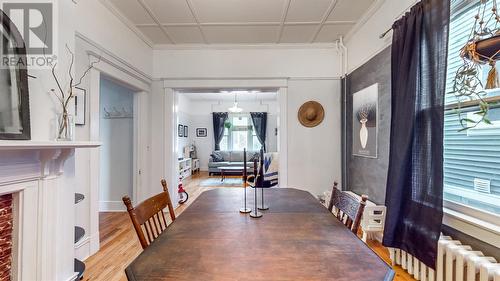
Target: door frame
[142,90]
[171,86]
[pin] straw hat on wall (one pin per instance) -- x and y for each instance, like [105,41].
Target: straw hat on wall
[311,114]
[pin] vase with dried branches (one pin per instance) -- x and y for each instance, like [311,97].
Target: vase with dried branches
[65,124]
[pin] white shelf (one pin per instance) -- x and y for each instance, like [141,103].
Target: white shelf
[37,145]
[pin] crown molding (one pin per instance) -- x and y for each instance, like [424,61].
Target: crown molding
[245,46]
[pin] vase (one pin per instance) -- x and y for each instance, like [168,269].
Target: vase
[65,127]
[363,133]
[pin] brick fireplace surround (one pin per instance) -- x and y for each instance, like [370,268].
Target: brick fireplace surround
[5,236]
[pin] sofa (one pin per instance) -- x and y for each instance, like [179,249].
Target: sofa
[229,158]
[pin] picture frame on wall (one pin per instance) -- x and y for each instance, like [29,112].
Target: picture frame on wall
[201,132]
[365,122]
[180,130]
[79,96]
[186,131]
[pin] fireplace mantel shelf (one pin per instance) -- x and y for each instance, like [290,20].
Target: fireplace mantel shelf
[43,145]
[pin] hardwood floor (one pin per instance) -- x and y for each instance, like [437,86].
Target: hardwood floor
[119,243]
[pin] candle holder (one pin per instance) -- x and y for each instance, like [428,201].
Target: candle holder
[245,209]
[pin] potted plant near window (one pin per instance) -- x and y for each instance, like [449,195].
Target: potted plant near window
[482,48]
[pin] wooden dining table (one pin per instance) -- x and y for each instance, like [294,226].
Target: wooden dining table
[296,239]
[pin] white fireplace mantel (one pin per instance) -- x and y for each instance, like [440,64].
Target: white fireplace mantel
[25,160]
[43,208]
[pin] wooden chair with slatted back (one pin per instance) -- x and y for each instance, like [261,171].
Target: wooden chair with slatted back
[148,217]
[349,209]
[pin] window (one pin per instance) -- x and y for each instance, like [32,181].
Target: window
[240,135]
[471,157]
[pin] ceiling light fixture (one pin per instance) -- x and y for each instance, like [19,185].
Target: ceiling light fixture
[235,108]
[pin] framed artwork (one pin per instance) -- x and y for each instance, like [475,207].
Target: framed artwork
[365,122]
[185,131]
[79,106]
[14,92]
[180,130]
[201,132]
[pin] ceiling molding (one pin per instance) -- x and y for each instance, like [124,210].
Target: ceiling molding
[283,19]
[325,17]
[245,46]
[204,40]
[364,18]
[292,23]
[127,22]
[195,16]
[155,19]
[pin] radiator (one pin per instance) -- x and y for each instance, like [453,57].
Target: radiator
[455,262]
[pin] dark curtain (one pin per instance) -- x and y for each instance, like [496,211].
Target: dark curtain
[259,120]
[219,118]
[414,197]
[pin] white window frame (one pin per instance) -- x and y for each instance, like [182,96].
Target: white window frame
[478,223]
[249,129]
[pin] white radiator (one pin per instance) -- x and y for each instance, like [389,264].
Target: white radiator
[455,262]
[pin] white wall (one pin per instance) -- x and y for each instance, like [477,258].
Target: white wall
[309,74]
[314,153]
[116,174]
[95,29]
[96,22]
[364,42]
[264,62]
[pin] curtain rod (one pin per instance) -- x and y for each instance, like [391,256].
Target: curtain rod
[381,36]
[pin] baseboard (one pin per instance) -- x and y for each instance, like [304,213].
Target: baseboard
[111,206]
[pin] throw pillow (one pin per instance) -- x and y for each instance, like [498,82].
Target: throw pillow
[254,157]
[217,156]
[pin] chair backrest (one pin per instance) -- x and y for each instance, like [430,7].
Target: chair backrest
[148,217]
[348,209]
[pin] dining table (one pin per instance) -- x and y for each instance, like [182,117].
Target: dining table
[296,239]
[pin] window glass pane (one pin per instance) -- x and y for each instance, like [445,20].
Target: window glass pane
[239,140]
[472,163]
[460,28]
[471,157]
[225,140]
[240,121]
[223,143]
[255,143]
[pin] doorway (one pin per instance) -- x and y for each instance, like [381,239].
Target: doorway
[194,140]
[117,131]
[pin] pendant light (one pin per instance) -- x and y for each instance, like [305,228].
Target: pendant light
[235,108]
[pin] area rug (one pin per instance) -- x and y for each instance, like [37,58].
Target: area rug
[217,182]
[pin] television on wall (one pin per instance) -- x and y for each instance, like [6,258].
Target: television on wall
[14,95]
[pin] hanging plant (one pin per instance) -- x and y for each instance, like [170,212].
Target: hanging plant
[482,48]
[228,125]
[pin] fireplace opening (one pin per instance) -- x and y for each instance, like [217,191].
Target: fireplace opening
[6,222]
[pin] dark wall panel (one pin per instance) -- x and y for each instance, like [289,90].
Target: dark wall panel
[368,175]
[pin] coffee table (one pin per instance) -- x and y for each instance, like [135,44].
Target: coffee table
[225,169]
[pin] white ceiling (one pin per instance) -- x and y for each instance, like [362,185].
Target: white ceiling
[229,96]
[167,22]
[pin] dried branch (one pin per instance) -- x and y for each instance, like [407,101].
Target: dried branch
[85,73]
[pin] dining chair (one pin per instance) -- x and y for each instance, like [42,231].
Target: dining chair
[348,209]
[148,217]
